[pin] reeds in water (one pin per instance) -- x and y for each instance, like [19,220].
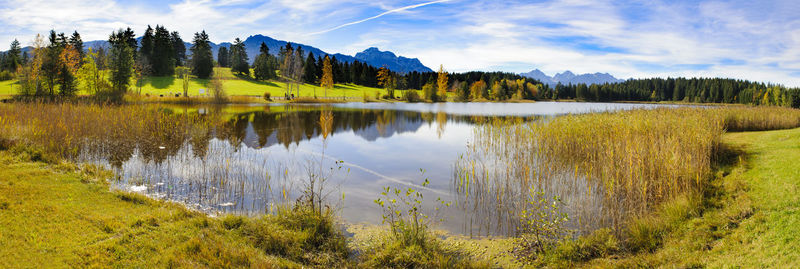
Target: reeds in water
[607,167]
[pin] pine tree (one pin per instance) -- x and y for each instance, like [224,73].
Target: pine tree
[13,58]
[222,57]
[310,75]
[202,58]
[239,58]
[121,61]
[178,48]
[263,68]
[77,43]
[163,55]
[146,51]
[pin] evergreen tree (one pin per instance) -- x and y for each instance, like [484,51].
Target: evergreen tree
[146,51]
[51,65]
[179,49]
[13,58]
[310,75]
[202,58]
[239,58]
[222,57]
[121,62]
[77,43]
[163,55]
[263,67]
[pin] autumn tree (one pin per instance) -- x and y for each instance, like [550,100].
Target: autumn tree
[30,79]
[183,74]
[441,83]
[326,82]
[387,80]
[90,74]
[478,90]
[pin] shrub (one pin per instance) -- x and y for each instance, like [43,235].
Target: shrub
[411,96]
[6,75]
[268,96]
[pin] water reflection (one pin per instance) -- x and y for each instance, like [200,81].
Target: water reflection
[246,160]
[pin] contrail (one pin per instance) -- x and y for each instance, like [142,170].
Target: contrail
[395,180]
[380,15]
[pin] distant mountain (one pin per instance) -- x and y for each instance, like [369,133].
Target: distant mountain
[372,56]
[567,77]
[375,57]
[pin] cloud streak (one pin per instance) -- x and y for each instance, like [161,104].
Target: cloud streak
[378,16]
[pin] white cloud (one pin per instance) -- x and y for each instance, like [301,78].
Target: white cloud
[740,39]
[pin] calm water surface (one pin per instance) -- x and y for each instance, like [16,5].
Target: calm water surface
[266,153]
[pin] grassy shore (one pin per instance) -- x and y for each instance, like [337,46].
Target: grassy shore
[734,204]
[60,215]
[752,215]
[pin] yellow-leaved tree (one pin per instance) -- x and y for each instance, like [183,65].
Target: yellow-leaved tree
[326,82]
[441,83]
[386,80]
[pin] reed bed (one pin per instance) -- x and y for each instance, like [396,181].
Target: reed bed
[742,118]
[607,168]
[68,130]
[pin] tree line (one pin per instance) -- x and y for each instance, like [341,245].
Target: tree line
[60,66]
[692,90]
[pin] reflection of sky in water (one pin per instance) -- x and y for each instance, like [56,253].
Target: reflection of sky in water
[231,179]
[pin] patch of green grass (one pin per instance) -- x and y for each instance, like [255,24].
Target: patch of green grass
[751,211]
[8,87]
[55,215]
[241,85]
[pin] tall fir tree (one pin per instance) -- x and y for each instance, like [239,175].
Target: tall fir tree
[13,58]
[239,59]
[146,51]
[77,43]
[263,67]
[223,57]
[202,57]
[121,62]
[178,48]
[310,75]
[163,55]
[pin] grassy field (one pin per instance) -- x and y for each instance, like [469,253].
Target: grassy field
[234,85]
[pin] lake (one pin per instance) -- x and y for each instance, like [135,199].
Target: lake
[263,155]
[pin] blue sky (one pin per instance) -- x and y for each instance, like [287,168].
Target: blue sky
[757,40]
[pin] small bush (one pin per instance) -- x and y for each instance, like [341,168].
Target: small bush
[600,243]
[6,75]
[231,222]
[411,96]
[268,96]
[133,198]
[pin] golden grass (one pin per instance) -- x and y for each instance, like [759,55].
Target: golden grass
[609,167]
[69,130]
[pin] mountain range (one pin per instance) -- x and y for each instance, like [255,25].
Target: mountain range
[372,56]
[567,77]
